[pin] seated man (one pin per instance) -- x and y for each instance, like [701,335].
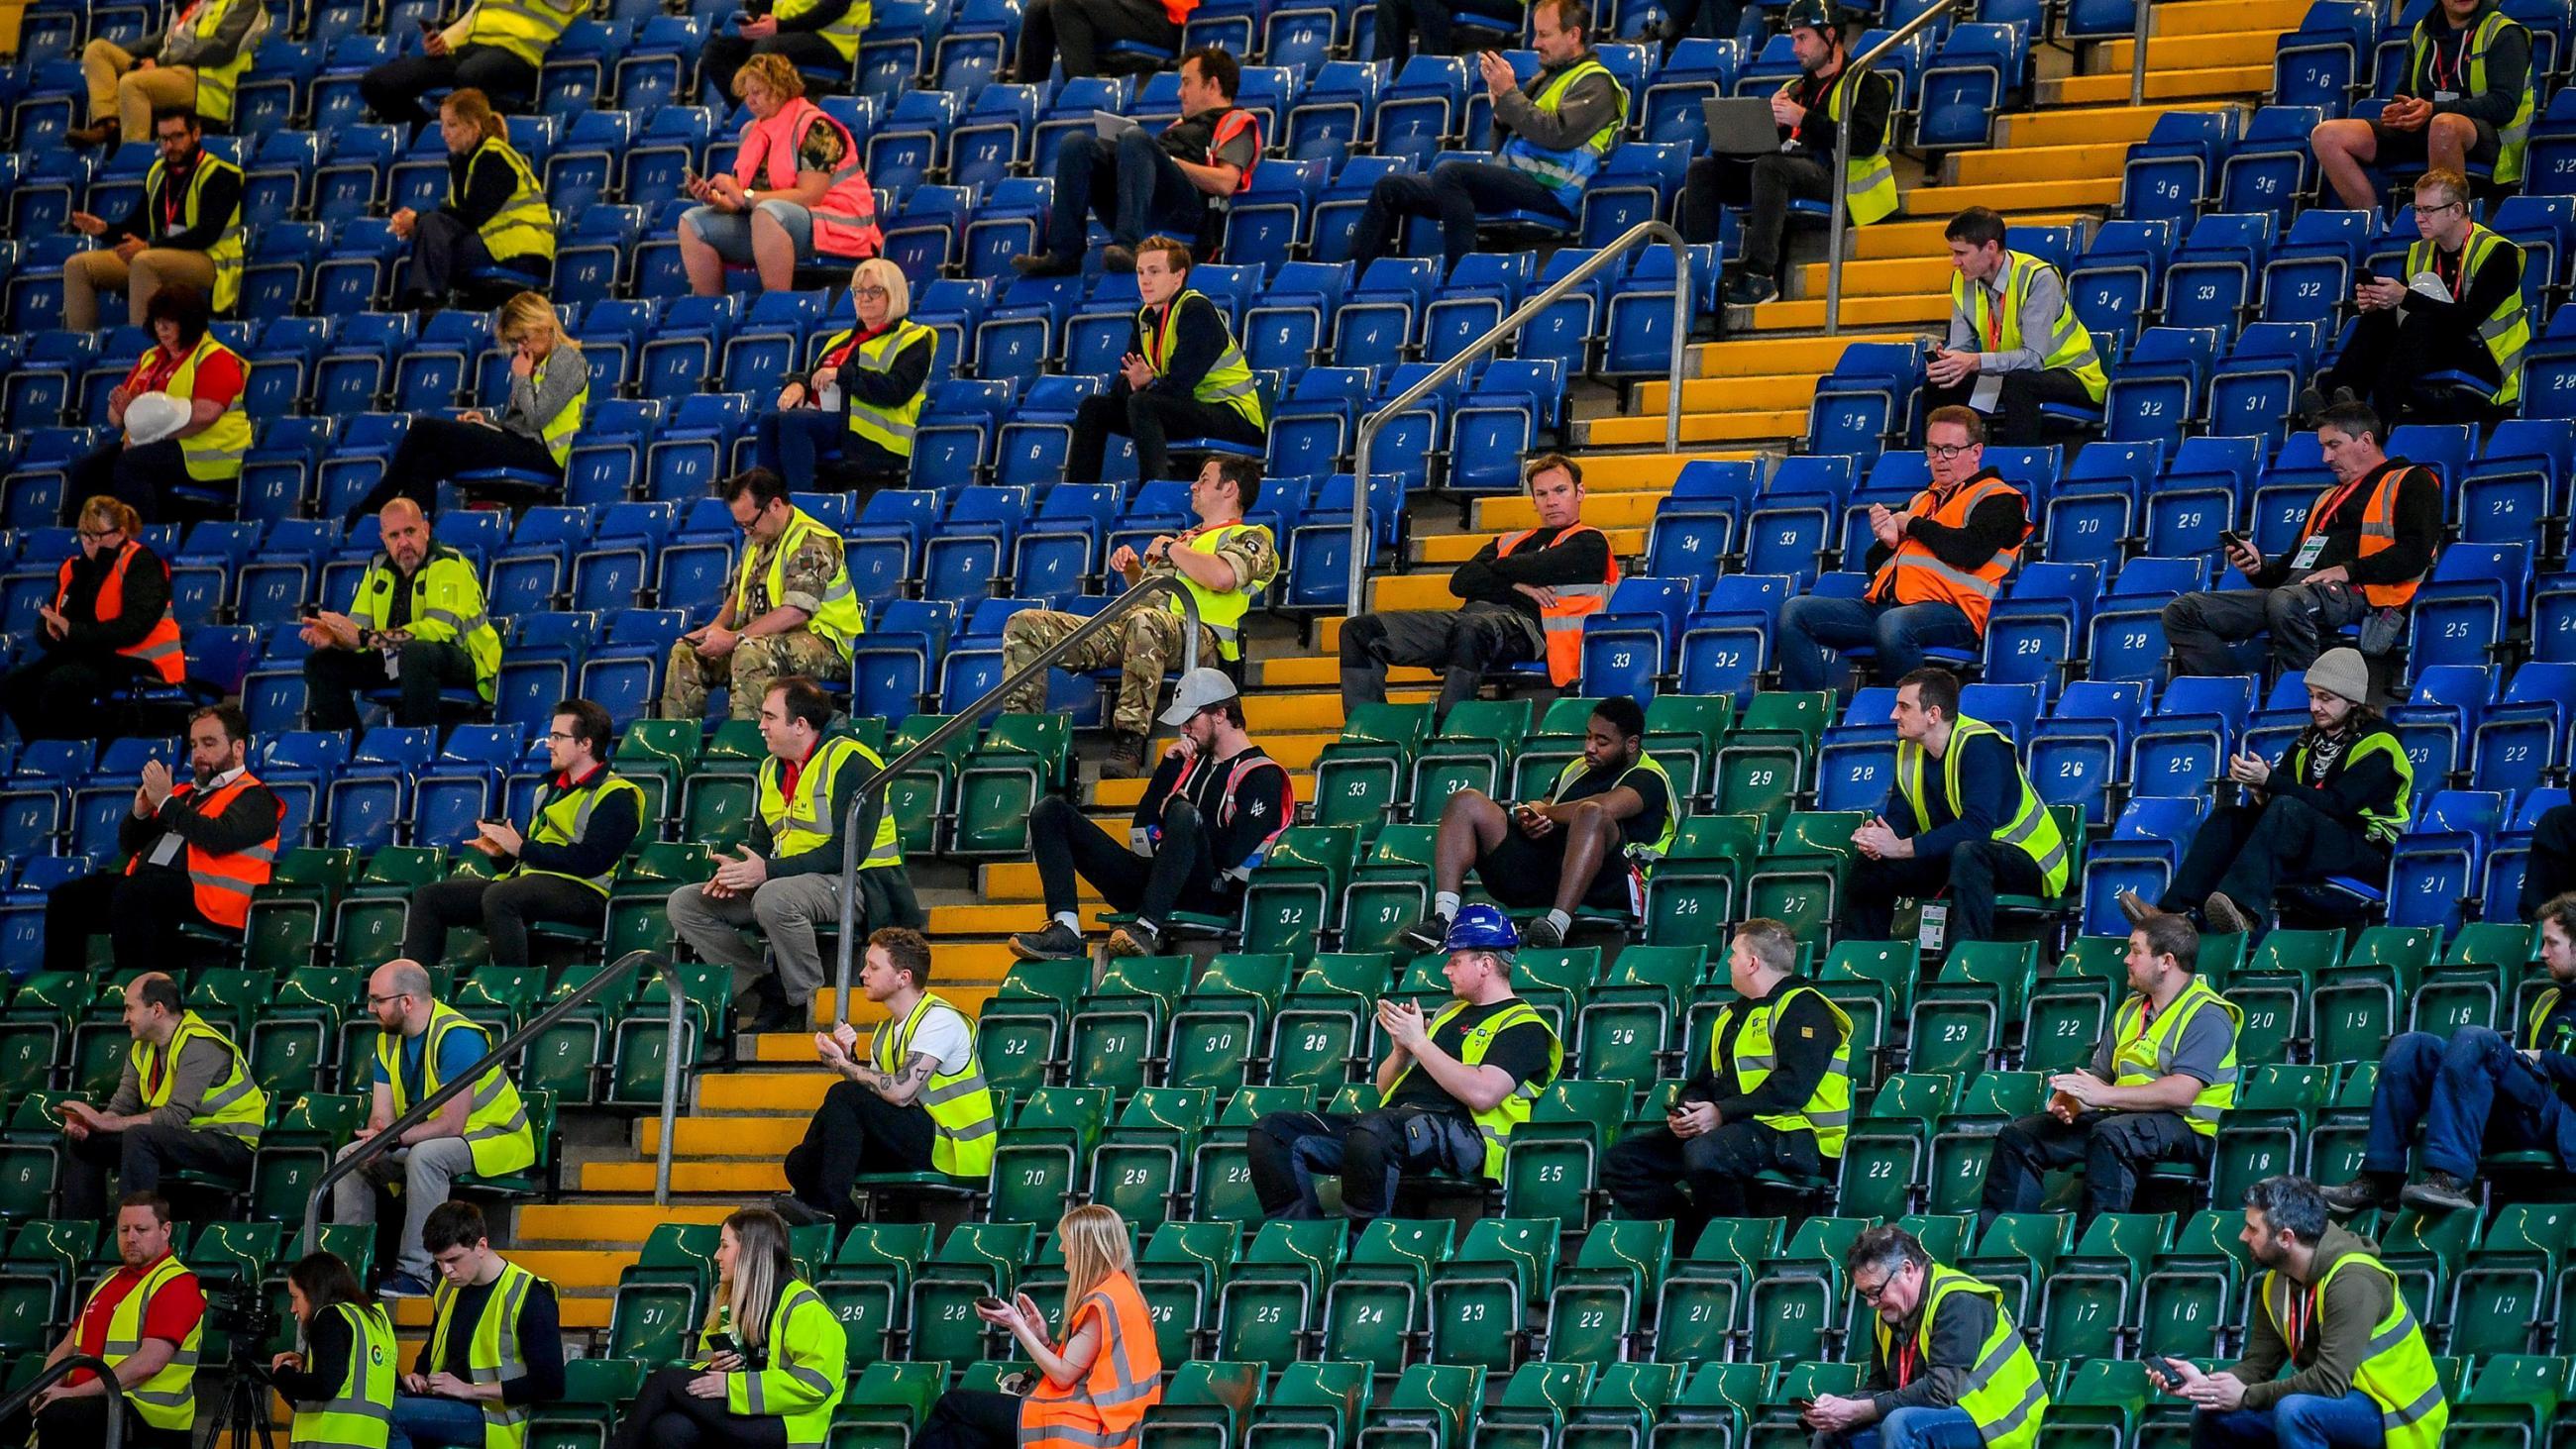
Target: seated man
[1591,843]
[194,63]
[792,610]
[2163,1076]
[2466,98]
[1949,1371]
[1221,560]
[185,1103]
[186,227]
[2332,805]
[2367,545]
[2476,1093]
[1550,138]
[1775,1097]
[1142,183]
[145,1321]
[1081,30]
[418,626]
[1454,1087]
[1183,376]
[497,48]
[2458,308]
[1526,595]
[2014,343]
[1206,819]
[495,1349]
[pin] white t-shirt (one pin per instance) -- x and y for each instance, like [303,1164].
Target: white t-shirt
[943,1036]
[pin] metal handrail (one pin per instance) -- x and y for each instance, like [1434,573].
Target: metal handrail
[1856,69]
[1361,543]
[419,1112]
[2138,58]
[115,1396]
[867,806]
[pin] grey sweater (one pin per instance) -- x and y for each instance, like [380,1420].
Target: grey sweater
[174,44]
[200,1063]
[531,407]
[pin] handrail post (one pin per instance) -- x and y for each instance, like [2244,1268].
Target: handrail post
[1858,69]
[72,1364]
[2138,57]
[674,1031]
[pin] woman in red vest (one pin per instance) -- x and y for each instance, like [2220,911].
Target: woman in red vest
[108,626]
[796,193]
[1092,1388]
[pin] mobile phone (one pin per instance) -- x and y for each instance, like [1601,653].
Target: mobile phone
[991,1304]
[428,27]
[1802,1405]
[721,1343]
[309,611]
[2367,277]
[2230,539]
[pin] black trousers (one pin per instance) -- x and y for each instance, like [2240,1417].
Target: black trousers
[1653,1174]
[1763,186]
[138,1156]
[726,53]
[1079,30]
[970,1419]
[2111,1147]
[334,678]
[446,254]
[141,913]
[149,479]
[2016,415]
[856,1131]
[1153,419]
[2389,352]
[1180,875]
[56,695]
[82,1424]
[393,90]
[437,449]
[502,908]
[2248,852]
[1973,876]
[1461,643]
[1370,1153]
[2550,871]
[666,1416]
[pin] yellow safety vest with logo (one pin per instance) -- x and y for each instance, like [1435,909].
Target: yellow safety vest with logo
[557,432]
[1827,1112]
[2003,1391]
[565,819]
[1869,182]
[215,455]
[2031,830]
[2396,1369]
[446,606]
[1221,611]
[496,1121]
[1566,171]
[1228,380]
[2514,138]
[2067,348]
[361,1413]
[226,253]
[1497,1122]
[2381,826]
[234,1106]
[168,1399]
[2142,1052]
[842,617]
[217,83]
[844,34]
[493,1354]
[804,823]
[2506,331]
[1643,857]
[959,1103]
[525,225]
[525,28]
[888,428]
[808,1362]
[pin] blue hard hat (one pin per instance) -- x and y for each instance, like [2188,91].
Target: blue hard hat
[1482,927]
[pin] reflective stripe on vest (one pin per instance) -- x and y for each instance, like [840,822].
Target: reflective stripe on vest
[234,1106]
[959,1103]
[359,1415]
[1497,1122]
[2506,331]
[2031,830]
[493,1354]
[565,820]
[221,884]
[1220,611]
[1565,171]
[2378,534]
[159,650]
[446,606]
[2514,137]
[843,34]
[804,823]
[1828,1109]
[1869,182]
[2142,1052]
[808,1353]
[890,428]
[525,225]
[2396,1369]
[2541,1006]
[1104,1410]
[2002,1392]
[225,255]
[1914,574]
[2381,826]
[841,618]
[525,28]
[557,432]
[1562,622]
[216,84]
[496,1121]
[168,1399]
[215,455]
[1228,381]
[2067,348]
[1643,857]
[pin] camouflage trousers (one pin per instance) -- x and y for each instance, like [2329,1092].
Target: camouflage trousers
[746,673]
[1144,649]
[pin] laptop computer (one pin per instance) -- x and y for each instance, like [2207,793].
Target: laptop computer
[1740,126]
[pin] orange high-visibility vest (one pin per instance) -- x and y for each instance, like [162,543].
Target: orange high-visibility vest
[1913,574]
[160,649]
[2378,533]
[223,883]
[1104,1410]
[1562,621]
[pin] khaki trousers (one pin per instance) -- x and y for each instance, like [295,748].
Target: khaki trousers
[117,89]
[89,273]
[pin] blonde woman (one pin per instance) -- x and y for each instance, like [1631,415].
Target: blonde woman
[1096,1384]
[494,230]
[771,1361]
[532,434]
[860,402]
[108,626]
[796,191]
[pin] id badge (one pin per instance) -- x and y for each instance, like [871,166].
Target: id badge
[2445,97]
[2308,552]
[1935,926]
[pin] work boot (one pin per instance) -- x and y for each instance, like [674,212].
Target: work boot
[1118,257]
[1058,942]
[2363,1193]
[1126,757]
[1136,938]
[2226,918]
[1045,264]
[1748,290]
[106,133]
[2441,1192]
[1541,935]
[2135,907]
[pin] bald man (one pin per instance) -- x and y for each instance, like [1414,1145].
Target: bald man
[417,627]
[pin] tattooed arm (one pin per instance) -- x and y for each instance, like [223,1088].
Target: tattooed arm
[901,1088]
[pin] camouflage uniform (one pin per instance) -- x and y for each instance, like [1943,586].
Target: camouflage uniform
[756,664]
[1146,648]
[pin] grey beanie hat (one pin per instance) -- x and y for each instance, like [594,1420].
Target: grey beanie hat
[2341,672]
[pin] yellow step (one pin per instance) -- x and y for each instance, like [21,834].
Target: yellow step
[579,1267]
[1787,393]
[1446,551]
[2118,124]
[731,1179]
[1772,356]
[757,1093]
[1899,237]
[981,920]
[1621,472]
[2113,89]
[1119,794]
[1609,510]
[413,1316]
[2011,195]
[1700,428]
[1277,714]
[1017,880]
[2038,163]
[724,1138]
[2223,17]
[1887,277]
[1809,312]
[1412,591]
[959,987]
[607,1223]
[2170,51]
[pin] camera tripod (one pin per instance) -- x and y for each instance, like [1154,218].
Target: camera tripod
[242,1411]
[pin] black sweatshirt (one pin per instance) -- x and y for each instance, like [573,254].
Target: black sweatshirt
[1803,1038]
[1999,523]
[2419,527]
[250,820]
[480,191]
[1236,824]
[1869,108]
[2496,281]
[540,1343]
[2508,70]
[1542,562]
[1201,339]
[217,208]
[612,828]
[147,599]
[326,1361]
[904,373]
[2340,789]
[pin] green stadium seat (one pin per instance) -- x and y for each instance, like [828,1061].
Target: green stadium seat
[2424,1250]
[1021,757]
[1117,1025]
[1321,1032]
[1873,982]
[1697,884]
[885,1403]
[2098,1407]
[1391,888]
[1378,1302]
[1889,1147]
[1021,1033]
[1217,1030]
[1763,778]
[2512,1402]
[1594,1311]
[1534,1406]
[639,899]
[1684,733]
[2509,1289]
[1204,1407]
[1294,896]
[367,931]
[31,1155]
[2091,1294]
[37,1278]
[2015,1253]
[1945,1236]
[1038,1158]
[868,1283]
[1179,1272]
[1221,1173]
[2341,1133]
[1312,1406]
[1480,1295]
[2188,1301]
[1433,1407]
[1622,1407]
[1958,1018]
[657,754]
[2265,1133]
[1472,751]
[974,1261]
[2457,996]
[295,1153]
[1551,1163]
[1714,1409]
[1142,1166]
[498,998]
[2068,1011]
[1624,1024]
[1699,1302]
[1966,1138]
[2490,943]
[1366,775]
[287,914]
[1799,881]
[596,1392]
[1263,1308]
[1797,1303]
[662,1300]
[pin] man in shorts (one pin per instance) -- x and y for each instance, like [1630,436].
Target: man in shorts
[2466,100]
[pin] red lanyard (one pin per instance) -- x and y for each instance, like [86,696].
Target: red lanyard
[1162,332]
[159,1058]
[2343,495]
[2303,1311]
[2459,59]
[2457,275]
[1994,321]
[1905,1355]
[171,202]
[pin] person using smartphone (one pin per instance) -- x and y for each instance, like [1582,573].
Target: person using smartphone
[1095,1384]
[418,626]
[2456,311]
[773,1359]
[495,232]
[1948,1369]
[184,229]
[2014,342]
[495,1349]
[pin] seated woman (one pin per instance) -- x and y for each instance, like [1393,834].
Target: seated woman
[816,202]
[549,392]
[108,626]
[180,458]
[1093,1388]
[772,1359]
[341,1386]
[860,403]
[494,231]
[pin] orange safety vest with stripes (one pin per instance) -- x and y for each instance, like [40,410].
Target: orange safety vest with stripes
[159,650]
[2378,532]
[1562,621]
[1914,574]
[222,883]
[1106,1408]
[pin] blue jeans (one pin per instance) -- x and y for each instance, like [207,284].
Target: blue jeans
[1813,630]
[790,441]
[1132,183]
[2298,1421]
[1911,1429]
[2473,1094]
[428,1422]
[1456,193]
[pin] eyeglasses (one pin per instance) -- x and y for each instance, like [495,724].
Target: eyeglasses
[1947,451]
[1871,1293]
[97,535]
[2423,210]
[879,293]
[560,735]
[375,1000]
